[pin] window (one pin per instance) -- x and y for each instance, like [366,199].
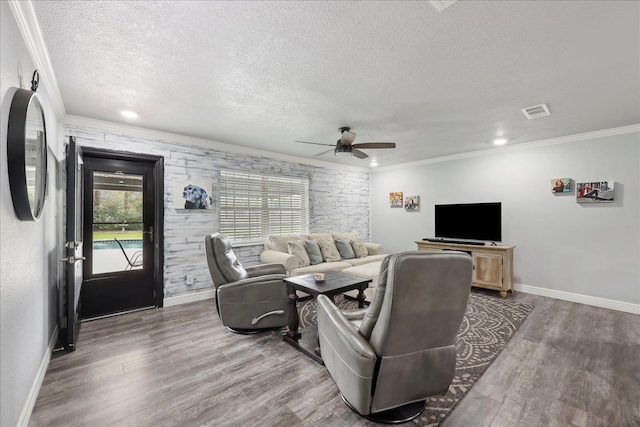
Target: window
[254,206]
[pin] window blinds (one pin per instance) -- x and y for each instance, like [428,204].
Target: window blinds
[254,206]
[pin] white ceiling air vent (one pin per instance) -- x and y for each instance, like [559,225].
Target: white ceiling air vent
[441,5]
[536,111]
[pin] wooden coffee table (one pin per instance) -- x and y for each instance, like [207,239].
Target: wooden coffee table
[335,283]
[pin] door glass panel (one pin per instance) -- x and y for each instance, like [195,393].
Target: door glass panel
[117,222]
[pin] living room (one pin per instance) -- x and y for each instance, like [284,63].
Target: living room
[569,258]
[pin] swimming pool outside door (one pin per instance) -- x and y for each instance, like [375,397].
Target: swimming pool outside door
[117,222]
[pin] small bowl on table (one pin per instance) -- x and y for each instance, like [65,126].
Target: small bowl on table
[318,277]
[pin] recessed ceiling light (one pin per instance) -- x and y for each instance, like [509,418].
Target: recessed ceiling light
[373,163]
[499,141]
[129,114]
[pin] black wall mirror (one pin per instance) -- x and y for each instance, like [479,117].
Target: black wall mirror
[27,155]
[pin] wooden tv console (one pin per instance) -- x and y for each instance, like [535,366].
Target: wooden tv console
[492,265]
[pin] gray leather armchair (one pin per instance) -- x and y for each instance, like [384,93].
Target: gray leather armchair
[248,299]
[388,358]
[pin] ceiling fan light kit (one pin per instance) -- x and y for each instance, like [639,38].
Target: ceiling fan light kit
[343,150]
[345,147]
[347,136]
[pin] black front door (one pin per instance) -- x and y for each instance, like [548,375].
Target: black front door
[119,232]
[73,246]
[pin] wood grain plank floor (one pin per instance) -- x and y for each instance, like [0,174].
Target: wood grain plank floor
[568,364]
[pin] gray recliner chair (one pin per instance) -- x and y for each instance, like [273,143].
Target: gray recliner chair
[388,358]
[250,299]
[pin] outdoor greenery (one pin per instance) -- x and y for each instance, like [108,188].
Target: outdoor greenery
[109,235]
[120,210]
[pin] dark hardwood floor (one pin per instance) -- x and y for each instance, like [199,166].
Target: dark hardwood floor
[568,364]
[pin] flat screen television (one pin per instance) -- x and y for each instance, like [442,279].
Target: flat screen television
[472,221]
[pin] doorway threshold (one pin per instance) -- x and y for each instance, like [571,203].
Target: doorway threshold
[104,316]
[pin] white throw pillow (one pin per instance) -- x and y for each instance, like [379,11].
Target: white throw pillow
[329,250]
[359,248]
[296,248]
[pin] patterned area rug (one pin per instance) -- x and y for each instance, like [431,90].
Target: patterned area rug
[488,324]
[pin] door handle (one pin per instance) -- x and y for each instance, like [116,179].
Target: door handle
[72,259]
[150,233]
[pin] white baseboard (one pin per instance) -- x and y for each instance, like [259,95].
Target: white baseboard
[27,409]
[582,299]
[190,297]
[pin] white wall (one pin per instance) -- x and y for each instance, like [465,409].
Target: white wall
[29,251]
[586,249]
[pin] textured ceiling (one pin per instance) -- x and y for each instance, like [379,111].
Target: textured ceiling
[263,74]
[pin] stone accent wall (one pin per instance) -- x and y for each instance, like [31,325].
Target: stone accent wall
[339,199]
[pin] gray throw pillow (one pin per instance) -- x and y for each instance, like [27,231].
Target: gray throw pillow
[313,250]
[345,249]
[296,248]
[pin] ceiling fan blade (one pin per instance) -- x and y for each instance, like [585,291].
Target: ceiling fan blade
[315,143]
[359,154]
[324,152]
[347,137]
[375,145]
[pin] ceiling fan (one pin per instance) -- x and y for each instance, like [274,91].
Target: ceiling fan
[345,145]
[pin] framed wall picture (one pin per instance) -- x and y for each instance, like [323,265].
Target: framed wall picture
[395,199]
[193,195]
[595,192]
[561,185]
[412,203]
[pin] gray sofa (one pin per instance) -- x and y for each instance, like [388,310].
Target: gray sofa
[276,251]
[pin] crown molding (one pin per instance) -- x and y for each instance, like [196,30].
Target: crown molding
[623,130]
[27,21]
[161,136]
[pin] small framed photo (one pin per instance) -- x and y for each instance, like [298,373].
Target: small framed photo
[412,203]
[561,185]
[594,192]
[193,195]
[395,199]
